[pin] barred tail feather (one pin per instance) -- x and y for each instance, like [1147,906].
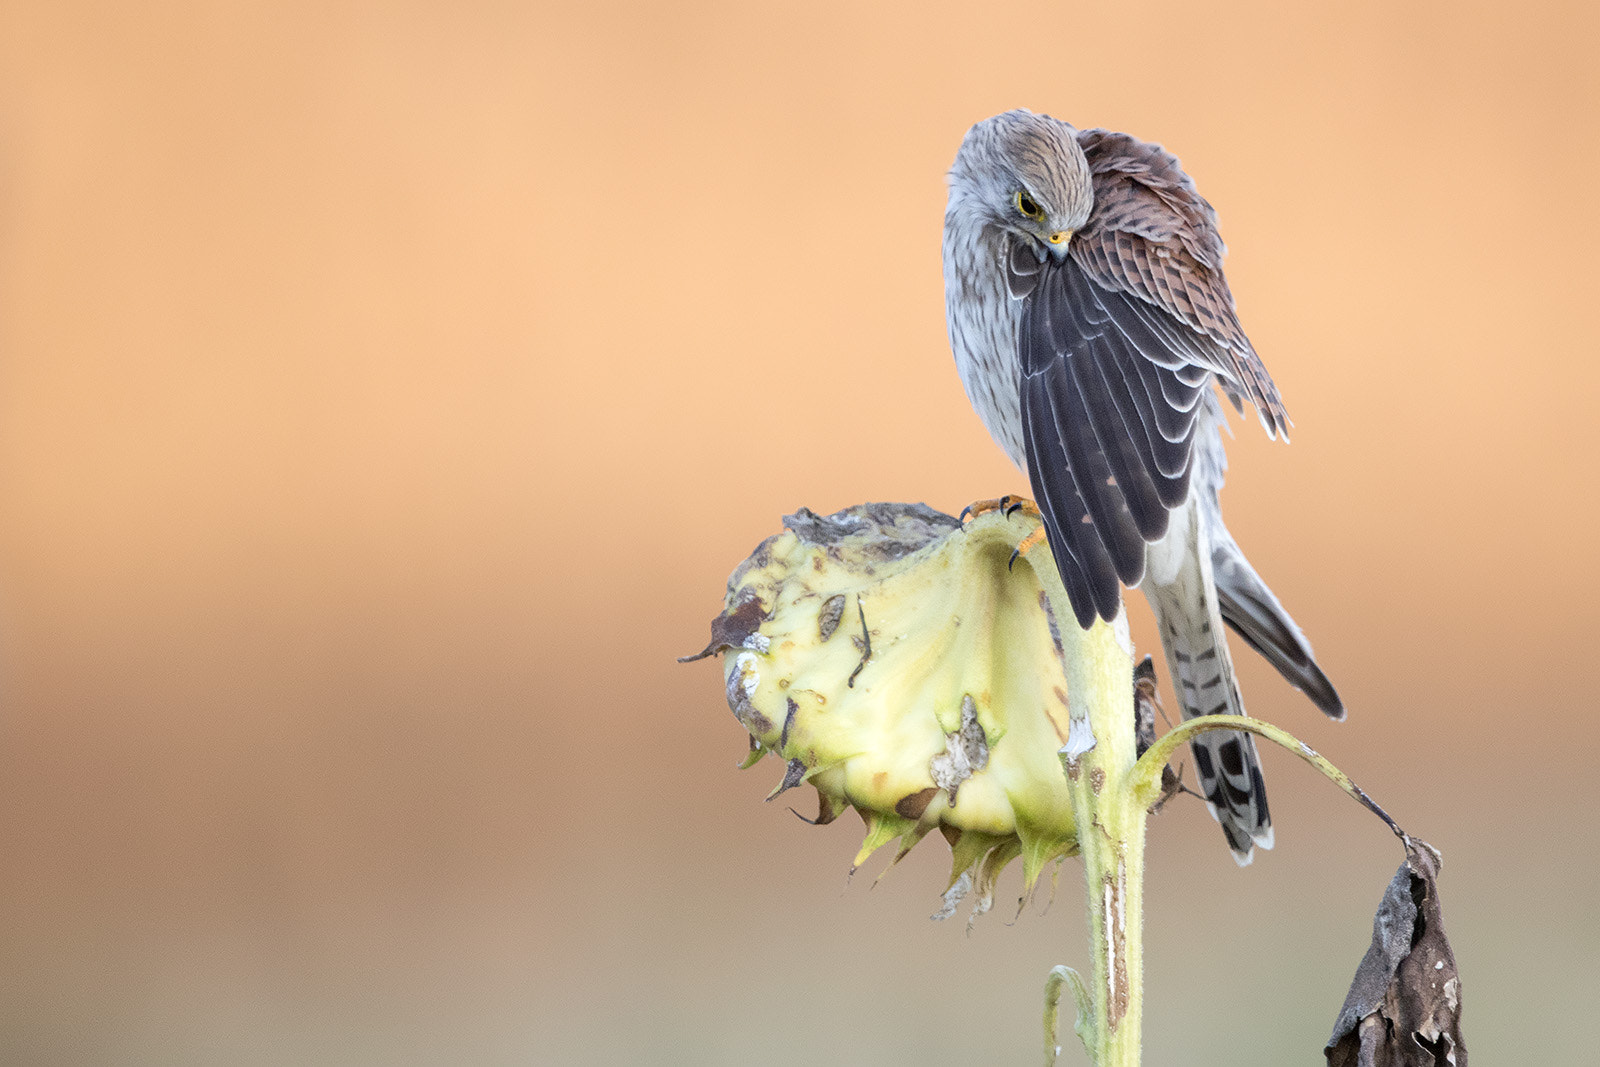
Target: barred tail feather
[1188,611]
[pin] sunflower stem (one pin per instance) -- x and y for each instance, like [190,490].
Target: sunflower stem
[1099,760]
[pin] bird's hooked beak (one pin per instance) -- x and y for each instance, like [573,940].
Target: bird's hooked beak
[1059,240]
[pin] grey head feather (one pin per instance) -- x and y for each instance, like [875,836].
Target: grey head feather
[1021,151]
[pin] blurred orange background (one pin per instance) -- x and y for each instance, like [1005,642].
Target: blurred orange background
[386,391]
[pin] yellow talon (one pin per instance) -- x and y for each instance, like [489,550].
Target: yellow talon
[981,507]
[1014,504]
[1009,504]
[1034,539]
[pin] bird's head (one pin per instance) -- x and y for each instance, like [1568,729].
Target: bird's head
[1025,174]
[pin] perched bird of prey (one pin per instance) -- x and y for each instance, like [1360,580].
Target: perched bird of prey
[1090,320]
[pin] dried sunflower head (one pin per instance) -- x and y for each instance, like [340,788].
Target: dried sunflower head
[900,664]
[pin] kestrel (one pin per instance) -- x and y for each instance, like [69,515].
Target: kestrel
[1090,320]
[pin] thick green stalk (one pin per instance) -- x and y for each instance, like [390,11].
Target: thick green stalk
[1111,795]
[1098,759]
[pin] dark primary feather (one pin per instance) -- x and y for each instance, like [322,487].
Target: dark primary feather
[1119,343]
[1081,556]
[1109,433]
[1023,265]
[1252,611]
[1120,431]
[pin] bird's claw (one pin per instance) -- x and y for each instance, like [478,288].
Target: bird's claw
[1014,504]
[1034,539]
[1007,505]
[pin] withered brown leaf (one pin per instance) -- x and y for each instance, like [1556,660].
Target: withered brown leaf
[1404,1006]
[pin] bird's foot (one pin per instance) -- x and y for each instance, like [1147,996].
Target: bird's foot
[1034,539]
[1009,505]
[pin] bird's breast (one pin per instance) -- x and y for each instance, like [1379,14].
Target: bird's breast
[983,320]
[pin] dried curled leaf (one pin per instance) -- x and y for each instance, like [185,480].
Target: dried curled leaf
[901,665]
[1146,708]
[1404,1006]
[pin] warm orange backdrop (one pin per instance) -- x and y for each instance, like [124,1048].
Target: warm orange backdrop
[386,390]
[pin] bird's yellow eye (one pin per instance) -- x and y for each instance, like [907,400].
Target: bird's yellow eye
[1029,208]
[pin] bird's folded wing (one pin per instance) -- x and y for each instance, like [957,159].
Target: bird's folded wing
[1108,432]
[1153,236]
[1119,343]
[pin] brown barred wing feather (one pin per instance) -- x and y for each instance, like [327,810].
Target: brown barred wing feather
[1152,236]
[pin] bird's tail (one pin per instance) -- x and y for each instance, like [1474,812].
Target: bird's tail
[1189,613]
[1253,611]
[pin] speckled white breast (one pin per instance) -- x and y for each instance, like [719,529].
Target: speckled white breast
[983,320]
